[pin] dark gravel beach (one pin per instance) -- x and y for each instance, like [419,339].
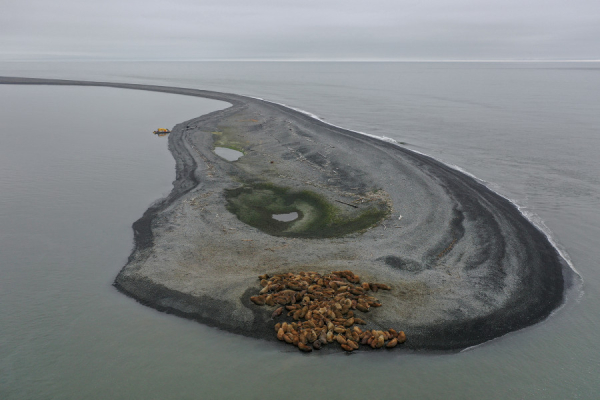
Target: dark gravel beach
[464,264]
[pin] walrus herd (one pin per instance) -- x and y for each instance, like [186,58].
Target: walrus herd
[322,308]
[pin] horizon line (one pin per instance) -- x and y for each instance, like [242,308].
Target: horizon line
[311,60]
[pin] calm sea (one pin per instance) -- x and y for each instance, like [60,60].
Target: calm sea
[79,165]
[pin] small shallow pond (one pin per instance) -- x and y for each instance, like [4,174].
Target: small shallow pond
[286,217]
[228,154]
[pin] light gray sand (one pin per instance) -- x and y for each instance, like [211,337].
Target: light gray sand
[465,266]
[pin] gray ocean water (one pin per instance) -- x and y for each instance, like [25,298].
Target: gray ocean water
[79,165]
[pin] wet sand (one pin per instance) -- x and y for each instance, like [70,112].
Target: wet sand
[465,266]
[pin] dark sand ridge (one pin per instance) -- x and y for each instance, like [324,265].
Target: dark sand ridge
[464,264]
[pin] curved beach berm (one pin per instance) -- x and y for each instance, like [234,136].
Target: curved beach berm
[464,264]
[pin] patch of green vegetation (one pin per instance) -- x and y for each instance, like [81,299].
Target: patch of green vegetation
[318,218]
[226,138]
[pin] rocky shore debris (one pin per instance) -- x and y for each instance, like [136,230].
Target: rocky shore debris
[321,310]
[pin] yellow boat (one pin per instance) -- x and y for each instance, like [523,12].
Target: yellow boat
[161,131]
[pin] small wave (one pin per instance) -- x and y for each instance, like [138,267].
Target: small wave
[315,116]
[529,215]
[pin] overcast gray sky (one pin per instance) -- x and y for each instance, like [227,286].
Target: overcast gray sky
[304,30]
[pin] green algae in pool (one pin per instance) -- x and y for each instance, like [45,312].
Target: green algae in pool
[256,205]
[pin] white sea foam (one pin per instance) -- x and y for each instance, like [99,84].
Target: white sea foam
[384,138]
[529,215]
[532,217]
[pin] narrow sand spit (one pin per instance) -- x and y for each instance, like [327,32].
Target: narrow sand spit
[464,264]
